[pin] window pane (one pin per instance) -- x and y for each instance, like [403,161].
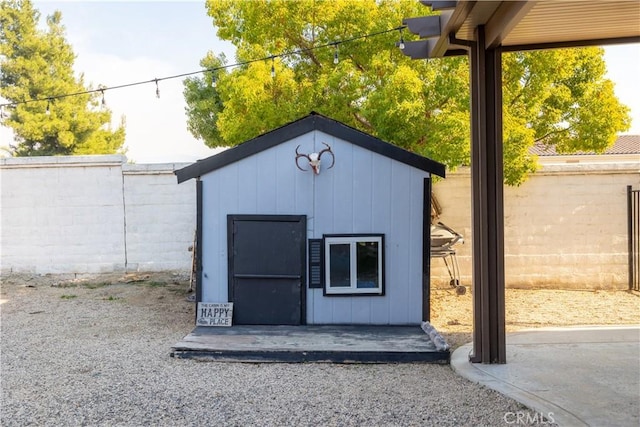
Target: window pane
[367,253]
[339,265]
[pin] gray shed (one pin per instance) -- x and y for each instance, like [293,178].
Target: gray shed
[346,245]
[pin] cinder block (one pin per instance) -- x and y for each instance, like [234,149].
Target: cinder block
[562,227]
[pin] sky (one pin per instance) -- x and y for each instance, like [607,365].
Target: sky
[121,42]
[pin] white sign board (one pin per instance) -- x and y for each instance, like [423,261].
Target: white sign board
[214,314]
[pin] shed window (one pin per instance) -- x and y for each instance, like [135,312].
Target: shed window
[354,264]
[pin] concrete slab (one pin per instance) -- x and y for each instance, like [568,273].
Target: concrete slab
[338,344]
[586,376]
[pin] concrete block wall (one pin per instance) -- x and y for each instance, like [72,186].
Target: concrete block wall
[160,218]
[565,227]
[62,214]
[93,214]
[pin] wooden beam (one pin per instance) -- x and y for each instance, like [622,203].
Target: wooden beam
[505,18]
[573,43]
[439,5]
[418,49]
[451,22]
[424,26]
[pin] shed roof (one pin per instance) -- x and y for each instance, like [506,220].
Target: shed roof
[314,121]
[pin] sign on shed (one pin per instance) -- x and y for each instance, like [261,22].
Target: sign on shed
[214,313]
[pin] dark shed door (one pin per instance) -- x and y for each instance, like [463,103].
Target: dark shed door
[266,269]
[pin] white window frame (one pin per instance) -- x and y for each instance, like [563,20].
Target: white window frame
[353,240]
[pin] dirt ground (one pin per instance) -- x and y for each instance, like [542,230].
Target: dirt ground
[160,292]
[451,314]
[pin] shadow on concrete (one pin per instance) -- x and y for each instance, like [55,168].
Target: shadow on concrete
[587,376]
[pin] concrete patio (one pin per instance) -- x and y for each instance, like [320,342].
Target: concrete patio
[587,376]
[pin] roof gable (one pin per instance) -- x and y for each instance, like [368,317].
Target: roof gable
[313,121]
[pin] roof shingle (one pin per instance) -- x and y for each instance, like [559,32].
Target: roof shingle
[625,144]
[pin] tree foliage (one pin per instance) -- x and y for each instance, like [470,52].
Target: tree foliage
[37,64]
[555,97]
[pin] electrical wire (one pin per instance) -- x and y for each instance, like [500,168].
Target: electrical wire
[103,89]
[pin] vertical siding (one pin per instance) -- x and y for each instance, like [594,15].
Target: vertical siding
[219,197]
[304,202]
[414,241]
[265,164]
[341,200]
[284,178]
[343,191]
[267,183]
[248,186]
[398,254]
[320,309]
[363,193]
[369,193]
[362,220]
[381,220]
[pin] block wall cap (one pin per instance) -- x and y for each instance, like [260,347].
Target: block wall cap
[152,168]
[63,161]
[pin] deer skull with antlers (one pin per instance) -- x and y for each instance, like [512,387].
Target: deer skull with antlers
[314,158]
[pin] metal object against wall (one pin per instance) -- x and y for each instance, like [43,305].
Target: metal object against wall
[633,227]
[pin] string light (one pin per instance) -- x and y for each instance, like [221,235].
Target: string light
[335,54]
[401,44]
[50,99]
[157,89]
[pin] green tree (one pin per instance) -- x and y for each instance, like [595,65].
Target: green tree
[555,97]
[37,64]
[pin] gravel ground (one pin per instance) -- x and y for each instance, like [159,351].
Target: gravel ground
[97,354]
[452,314]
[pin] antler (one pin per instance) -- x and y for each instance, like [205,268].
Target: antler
[298,155]
[327,150]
